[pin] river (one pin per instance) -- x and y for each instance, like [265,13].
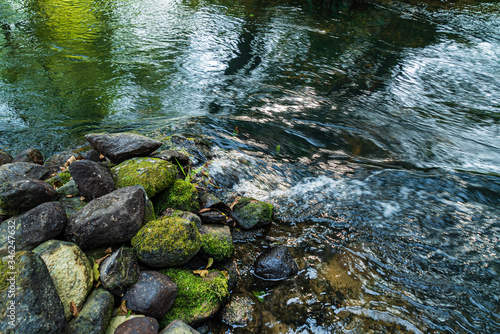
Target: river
[372,126]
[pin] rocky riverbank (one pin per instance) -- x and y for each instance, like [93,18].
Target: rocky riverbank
[126,234]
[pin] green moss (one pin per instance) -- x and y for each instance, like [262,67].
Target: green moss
[3,276]
[251,212]
[198,297]
[220,249]
[168,241]
[60,179]
[153,174]
[181,196]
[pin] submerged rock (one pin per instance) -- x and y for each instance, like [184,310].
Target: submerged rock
[92,179]
[166,242]
[95,315]
[34,227]
[181,195]
[199,298]
[37,307]
[178,327]
[109,219]
[19,196]
[5,158]
[119,147]
[119,271]
[30,155]
[143,325]
[70,271]
[275,263]
[243,313]
[153,294]
[250,213]
[216,242]
[155,175]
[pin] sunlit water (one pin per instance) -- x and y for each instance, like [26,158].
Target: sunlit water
[374,128]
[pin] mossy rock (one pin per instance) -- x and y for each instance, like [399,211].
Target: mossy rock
[250,213]
[184,215]
[199,297]
[167,242]
[153,174]
[60,179]
[216,242]
[181,195]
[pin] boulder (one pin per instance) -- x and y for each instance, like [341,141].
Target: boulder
[72,205]
[243,314]
[119,147]
[250,213]
[167,242]
[36,307]
[92,155]
[70,271]
[119,271]
[199,298]
[30,155]
[152,295]
[154,175]
[181,195]
[178,327]
[95,315]
[109,219]
[5,158]
[189,216]
[275,263]
[143,325]
[68,189]
[216,242]
[34,227]
[19,196]
[92,179]
[23,170]
[120,319]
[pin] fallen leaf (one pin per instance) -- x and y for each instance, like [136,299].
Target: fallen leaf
[210,262]
[82,198]
[204,210]
[108,251]
[234,203]
[123,308]
[102,157]
[96,271]
[74,309]
[70,196]
[99,261]
[202,272]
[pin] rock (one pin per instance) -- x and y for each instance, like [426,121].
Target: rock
[196,146]
[34,227]
[23,170]
[275,263]
[68,189]
[30,155]
[208,200]
[92,179]
[243,314]
[92,155]
[199,298]
[181,195]
[60,179]
[118,320]
[175,157]
[212,216]
[70,271]
[189,216]
[119,271]
[152,295]
[5,158]
[109,219]
[145,325]
[250,213]
[178,327]
[216,242]
[95,315]
[167,242]
[72,205]
[38,308]
[60,159]
[19,196]
[119,147]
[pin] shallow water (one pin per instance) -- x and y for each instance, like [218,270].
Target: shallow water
[372,126]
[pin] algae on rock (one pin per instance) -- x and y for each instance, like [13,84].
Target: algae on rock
[181,195]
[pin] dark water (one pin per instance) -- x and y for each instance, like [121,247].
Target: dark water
[373,126]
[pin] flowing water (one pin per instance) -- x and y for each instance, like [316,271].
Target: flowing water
[372,126]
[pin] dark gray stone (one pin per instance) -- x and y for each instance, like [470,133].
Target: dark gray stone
[109,219]
[19,196]
[23,170]
[72,205]
[5,158]
[38,308]
[30,155]
[92,179]
[175,157]
[144,325]
[92,155]
[119,271]
[95,315]
[208,200]
[34,227]
[178,327]
[119,147]
[275,263]
[152,295]
[60,159]
[212,216]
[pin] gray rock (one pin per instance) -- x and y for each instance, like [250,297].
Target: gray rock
[208,200]
[38,308]
[216,242]
[175,157]
[118,320]
[119,271]
[34,227]
[92,179]
[145,325]
[30,155]
[59,159]
[152,295]
[275,263]
[95,315]
[243,314]
[23,170]
[109,219]
[92,155]
[189,216]
[212,216]
[122,146]
[250,213]
[19,196]
[69,189]
[72,205]
[70,271]
[178,327]
[5,158]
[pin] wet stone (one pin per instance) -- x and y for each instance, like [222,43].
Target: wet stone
[19,196]
[208,200]
[275,263]
[143,325]
[69,189]
[250,213]
[212,216]
[95,315]
[178,327]
[243,314]
[30,155]
[5,158]
[92,155]
[152,295]
[175,157]
[23,170]
[92,179]
[119,271]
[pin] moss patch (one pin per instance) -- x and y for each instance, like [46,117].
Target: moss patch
[217,246]
[181,196]
[250,213]
[198,298]
[60,179]
[153,174]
